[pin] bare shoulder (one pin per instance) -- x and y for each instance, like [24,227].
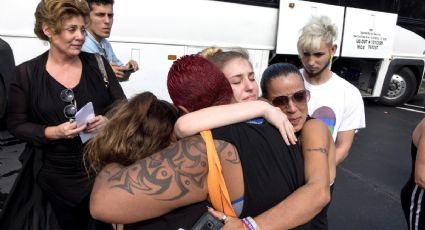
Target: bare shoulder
[315,125]
[316,137]
[315,131]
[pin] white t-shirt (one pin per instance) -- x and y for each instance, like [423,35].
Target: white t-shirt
[337,103]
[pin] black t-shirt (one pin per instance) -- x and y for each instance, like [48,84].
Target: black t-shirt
[184,217]
[272,170]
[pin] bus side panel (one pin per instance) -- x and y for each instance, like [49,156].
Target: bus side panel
[293,15]
[25,48]
[259,59]
[183,22]
[368,34]
[195,23]
[17,17]
[154,61]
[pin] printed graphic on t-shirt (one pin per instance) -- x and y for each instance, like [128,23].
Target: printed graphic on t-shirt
[327,115]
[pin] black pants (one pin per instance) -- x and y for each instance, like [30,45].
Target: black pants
[413,204]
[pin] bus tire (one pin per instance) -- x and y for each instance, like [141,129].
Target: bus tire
[401,88]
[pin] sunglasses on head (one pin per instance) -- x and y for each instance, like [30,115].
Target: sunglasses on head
[299,97]
[67,95]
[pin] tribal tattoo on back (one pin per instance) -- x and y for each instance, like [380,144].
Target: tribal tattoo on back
[170,173]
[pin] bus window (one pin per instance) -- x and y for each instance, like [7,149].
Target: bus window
[412,16]
[389,6]
[413,9]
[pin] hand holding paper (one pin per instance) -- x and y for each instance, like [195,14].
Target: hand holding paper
[82,117]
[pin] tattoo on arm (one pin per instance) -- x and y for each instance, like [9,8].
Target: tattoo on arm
[320,149]
[227,152]
[167,175]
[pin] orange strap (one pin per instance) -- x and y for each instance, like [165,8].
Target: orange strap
[217,190]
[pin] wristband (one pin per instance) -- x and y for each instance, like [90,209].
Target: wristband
[245,227]
[247,224]
[250,223]
[253,223]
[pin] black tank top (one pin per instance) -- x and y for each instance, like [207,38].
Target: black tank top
[271,169]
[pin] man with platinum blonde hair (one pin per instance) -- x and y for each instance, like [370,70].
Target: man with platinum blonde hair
[333,100]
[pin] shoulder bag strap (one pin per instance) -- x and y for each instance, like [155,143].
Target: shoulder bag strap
[217,189]
[102,69]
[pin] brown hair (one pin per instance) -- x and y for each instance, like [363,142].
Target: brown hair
[220,58]
[54,12]
[137,128]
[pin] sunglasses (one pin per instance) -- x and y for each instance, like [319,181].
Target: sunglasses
[299,97]
[67,95]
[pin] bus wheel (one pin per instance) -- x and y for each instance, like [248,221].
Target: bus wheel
[401,89]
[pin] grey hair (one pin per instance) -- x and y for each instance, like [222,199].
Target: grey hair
[318,29]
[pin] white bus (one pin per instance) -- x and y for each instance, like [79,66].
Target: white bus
[381,43]
[156,32]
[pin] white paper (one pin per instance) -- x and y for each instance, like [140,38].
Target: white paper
[82,117]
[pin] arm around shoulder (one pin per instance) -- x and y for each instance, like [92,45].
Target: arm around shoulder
[218,116]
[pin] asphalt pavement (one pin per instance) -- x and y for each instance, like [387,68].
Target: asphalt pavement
[368,183]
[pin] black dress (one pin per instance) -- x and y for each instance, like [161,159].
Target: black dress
[56,166]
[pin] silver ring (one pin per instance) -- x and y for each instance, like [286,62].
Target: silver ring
[224,219]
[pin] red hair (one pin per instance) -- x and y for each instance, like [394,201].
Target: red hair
[195,83]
